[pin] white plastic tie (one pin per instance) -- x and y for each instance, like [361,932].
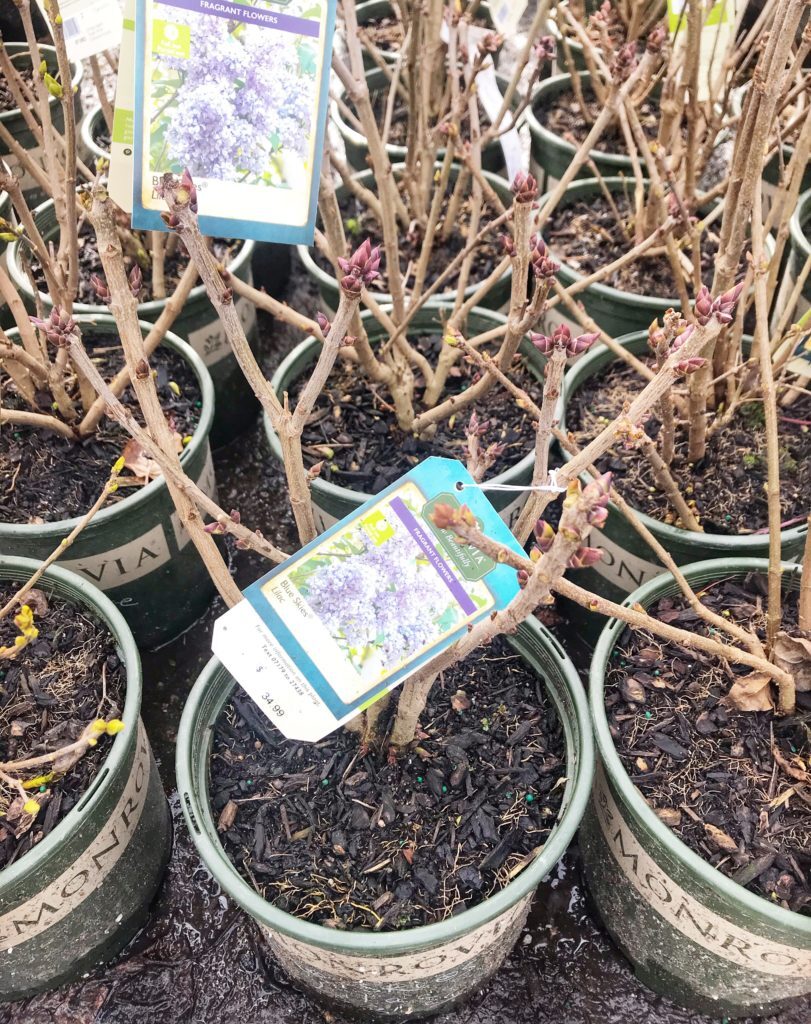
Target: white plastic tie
[552,487]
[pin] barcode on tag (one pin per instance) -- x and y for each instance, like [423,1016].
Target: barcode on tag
[71,28]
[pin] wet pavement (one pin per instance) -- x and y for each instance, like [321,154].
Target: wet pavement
[201,960]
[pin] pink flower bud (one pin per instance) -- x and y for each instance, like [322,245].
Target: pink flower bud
[656,39]
[524,188]
[360,269]
[703,306]
[100,287]
[562,335]
[544,535]
[545,49]
[577,346]
[543,344]
[136,280]
[507,245]
[690,365]
[322,322]
[584,557]
[724,305]
[523,578]
[187,183]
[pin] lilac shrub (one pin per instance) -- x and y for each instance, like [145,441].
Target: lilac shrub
[236,105]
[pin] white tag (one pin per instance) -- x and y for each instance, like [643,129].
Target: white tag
[507,14]
[121,152]
[90,26]
[716,33]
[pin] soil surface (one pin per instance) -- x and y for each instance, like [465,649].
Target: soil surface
[7,101]
[361,224]
[353,841]
[398,130]
[57,684]
[563,115]
[90,264]
[357,424]
[729,783]
[587,236]
[201,959]
[728,484]
[45,477]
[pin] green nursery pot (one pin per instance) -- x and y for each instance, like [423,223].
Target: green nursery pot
[357,148]
[5,210]
[403,974]
[551,155]
[799,251]
[691,933]
[371,10]
[76,899]
[627,561]
[137,551]
[92,123]
[14,122]
[197,323]
[616,312]
[331,502]
[328,284]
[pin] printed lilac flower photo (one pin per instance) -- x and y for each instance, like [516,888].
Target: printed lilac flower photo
[233,100]
[378,595]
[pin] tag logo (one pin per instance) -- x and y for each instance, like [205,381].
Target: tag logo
[471,563]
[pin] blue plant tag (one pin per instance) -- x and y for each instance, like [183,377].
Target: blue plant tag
[362,607]
[237,92]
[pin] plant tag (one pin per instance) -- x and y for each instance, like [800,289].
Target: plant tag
[236,91]
[507,14]
[362,607]
[119,181]
[716,32]
[90,26]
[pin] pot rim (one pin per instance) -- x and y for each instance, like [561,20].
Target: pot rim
[620,779]
[545,136]
[58,528]
[336,491]
[83,594]
[799,238]
[153,307]
[88,122]
[664,532]
[17,49]
[580,765]
[383,298]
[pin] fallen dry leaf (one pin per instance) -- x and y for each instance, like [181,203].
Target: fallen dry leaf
[139,463]
[460,701]
[669,815]
[227,816]
[751,693]
[795,767]
[793,654]
[720,839]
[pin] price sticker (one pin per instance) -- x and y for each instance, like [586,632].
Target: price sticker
[364,606]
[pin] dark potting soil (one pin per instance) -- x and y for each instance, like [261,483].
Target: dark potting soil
[90,263]
[586,236]
[398,130]
[359,841]
[361,224]
[563,115]
[727,782]
[56,685]
[7,101]
[728,484]
[358,426]
[45,477]
[387,33]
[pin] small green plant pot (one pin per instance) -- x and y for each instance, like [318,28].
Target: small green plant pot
[371,10]
[405,974]
[137,550]
[799,251]
[357,148]
[551,155]
[14,122]
[628,562]
[332,502]
[690,932]
[197,323]
[328,285]
[92,123]
[76,899]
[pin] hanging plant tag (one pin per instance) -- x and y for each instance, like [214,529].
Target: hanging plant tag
[362,607]
[716,31]
[237,93]
[119,180]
